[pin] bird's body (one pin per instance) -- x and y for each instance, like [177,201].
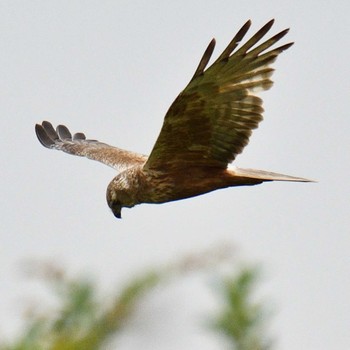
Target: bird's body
[136,186]
[207,125]
[155,187]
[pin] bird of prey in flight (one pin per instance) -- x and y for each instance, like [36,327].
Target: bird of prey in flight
[205,128]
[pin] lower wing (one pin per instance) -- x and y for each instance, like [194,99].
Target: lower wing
[61,139]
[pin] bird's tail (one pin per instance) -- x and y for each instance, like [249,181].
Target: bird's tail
[266,175]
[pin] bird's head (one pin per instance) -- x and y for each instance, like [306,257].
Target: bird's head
[119,196]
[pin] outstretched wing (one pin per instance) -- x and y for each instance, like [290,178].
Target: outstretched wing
[78,145]
[210,122]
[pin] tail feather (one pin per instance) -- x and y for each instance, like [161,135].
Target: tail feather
[267,175]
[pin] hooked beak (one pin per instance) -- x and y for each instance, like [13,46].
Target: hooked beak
[117,212]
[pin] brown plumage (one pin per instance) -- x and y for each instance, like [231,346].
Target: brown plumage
[205,128]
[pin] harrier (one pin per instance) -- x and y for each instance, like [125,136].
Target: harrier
[205,128]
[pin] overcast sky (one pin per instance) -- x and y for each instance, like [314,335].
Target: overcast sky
[111,69]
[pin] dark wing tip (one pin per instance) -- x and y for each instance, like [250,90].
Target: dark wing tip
[43,136]
[268,25]
[280,35]
[234,42]
[63,132]
[286,46]
[48,136]
[50,130]
[205,59]
[79,136]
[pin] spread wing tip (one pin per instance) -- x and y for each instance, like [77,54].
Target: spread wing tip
[205,59]
[244,49]
[49,137]
[43,137]
[63,132]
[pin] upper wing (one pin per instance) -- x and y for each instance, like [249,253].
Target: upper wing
[210,122]
[62,139]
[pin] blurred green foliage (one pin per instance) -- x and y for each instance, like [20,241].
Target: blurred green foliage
[242,320]
[81,322]
[84,322]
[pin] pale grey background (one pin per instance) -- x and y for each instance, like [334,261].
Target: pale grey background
[111,69]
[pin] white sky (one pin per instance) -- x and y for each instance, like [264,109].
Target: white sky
[111,69]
